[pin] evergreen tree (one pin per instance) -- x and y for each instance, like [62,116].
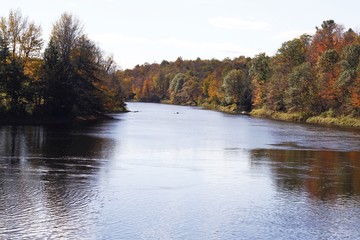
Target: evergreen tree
[57,78]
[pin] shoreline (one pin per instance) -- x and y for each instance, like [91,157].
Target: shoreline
[297,117]
[49,120]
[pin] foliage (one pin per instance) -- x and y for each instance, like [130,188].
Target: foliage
[236,85]
[308,76]
[71,78]
[189,82]
[300,93]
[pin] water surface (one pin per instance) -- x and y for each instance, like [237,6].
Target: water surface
[172,172]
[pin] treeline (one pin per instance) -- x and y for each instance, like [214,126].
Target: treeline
[308,76]
[200,82]
[70,77]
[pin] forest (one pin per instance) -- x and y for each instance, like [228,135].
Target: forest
[310,78]
[71,77]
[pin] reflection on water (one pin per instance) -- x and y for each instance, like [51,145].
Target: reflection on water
[153,174]
[48,180]
[323,175]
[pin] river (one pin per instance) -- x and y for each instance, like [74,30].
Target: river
[175,172]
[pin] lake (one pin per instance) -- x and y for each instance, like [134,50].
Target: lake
[175,172]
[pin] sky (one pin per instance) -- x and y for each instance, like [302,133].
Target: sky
[148,31]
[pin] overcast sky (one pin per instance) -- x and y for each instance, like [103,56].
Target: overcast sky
[139,31]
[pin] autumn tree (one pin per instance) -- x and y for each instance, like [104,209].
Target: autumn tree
[328,73]
[300,95]
[4,73]
[110,87]
[328,36]
[71,77]
[23,37]
[57,88]
[86,63]
[236,85]
[212,89]
[73,71]
[348,83]
[22,41]
[290,55]
[190,91]
[176,85]
[308,74]
[260,72]
[161,85]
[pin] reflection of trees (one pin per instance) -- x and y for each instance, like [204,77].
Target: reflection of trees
[48,178]
[63,143]
[323,174]
[12,141]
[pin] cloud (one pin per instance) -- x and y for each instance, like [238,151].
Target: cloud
[237,23]
[288,35]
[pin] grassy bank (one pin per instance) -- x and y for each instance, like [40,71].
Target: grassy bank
[293,117]
[324,119]
[227,109]
[233,109]
[344,121]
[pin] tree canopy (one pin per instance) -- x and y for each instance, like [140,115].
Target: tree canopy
[71,77]
[312,74]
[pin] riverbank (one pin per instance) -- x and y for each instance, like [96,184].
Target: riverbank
[231,109]
[39,120]
[323,119]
